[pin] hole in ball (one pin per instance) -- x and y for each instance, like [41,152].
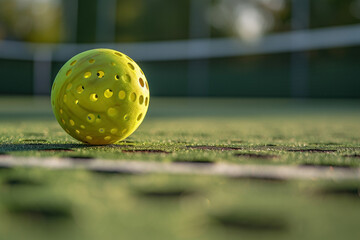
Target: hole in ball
[93,97]
[133,97]
[129,58]
[141,99]
[68,87]
[131,66]
[87,74]
[126,78]
[80,89]
[139,117]
[90,117]
[118,54]
[141,81]
[108,93]
[100,74]
[122,94]
[68,72]
[112,112]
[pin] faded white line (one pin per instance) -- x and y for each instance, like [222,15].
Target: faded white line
[220,169]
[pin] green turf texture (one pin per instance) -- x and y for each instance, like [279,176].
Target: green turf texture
[78,204]
[42,204]
[238,131]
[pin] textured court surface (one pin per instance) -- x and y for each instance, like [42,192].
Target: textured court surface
[153,184]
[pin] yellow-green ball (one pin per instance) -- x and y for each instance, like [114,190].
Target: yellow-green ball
[100,96]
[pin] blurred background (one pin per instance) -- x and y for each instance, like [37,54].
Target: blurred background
[227,48]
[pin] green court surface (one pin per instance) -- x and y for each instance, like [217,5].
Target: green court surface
[93,203]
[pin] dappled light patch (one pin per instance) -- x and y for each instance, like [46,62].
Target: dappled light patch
[195,161]
[165,193]
[352,156]
[255,155]
[325,143]
[259,178]
[46,211]
[80,157]
[4,168]
[119,172]
[20,181]
[270,145]
[313,150]
[145,151]
[216,148]
[251,221]
[346,190]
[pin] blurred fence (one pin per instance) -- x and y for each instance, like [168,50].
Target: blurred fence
[205,66]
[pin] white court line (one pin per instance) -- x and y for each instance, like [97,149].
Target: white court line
[219,169]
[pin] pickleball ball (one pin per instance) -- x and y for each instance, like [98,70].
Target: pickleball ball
[100,96]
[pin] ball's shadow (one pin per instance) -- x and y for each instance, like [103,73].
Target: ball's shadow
[44,145]
[66,147]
